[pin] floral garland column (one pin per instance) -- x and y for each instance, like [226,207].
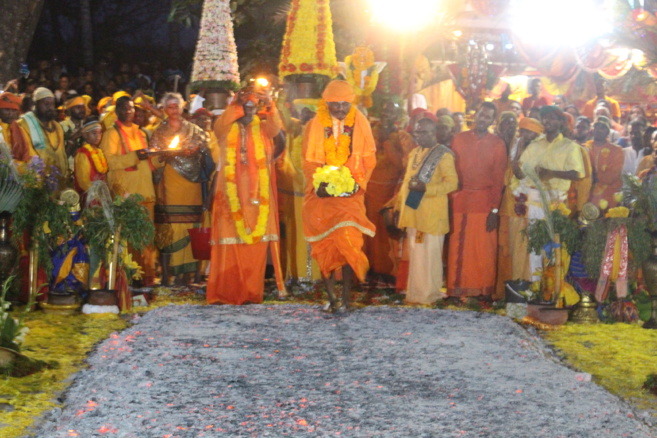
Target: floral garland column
[308,46]
[215,61]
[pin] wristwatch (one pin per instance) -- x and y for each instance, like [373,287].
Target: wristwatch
[495,211]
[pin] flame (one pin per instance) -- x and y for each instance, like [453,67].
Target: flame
[174,143]
[262,82]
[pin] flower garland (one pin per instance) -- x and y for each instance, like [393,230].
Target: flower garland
[339,180]
[215,60]
[336,155]
[233,141]
[98,158]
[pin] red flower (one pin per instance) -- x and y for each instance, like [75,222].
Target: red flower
[291,67]
[305,67]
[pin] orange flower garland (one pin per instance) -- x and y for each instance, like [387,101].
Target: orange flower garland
[233,141]
[336,155]
[98,157]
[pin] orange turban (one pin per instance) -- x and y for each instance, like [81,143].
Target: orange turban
[339,91]
[75,101]
[116,96]
[102,103]
[10,101]
[139,101]
[532,125]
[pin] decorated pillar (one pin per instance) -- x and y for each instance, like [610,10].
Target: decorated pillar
[215,62]
[308,59]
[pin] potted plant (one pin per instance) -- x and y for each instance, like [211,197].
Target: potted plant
[110,226]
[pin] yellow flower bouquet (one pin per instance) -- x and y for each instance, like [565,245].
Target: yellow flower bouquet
[339,179]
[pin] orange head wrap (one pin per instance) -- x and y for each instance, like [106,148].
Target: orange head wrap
[339,91]
[10,101]
[102,103]
[116,96]
[75,101]
[532,125]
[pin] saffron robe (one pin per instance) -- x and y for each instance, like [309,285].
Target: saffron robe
[334,226]
[480,165]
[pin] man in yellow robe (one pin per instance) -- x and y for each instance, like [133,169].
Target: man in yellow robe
[37,133]
[130,169]
[423,208]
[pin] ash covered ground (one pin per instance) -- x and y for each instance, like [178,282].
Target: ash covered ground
[290,370]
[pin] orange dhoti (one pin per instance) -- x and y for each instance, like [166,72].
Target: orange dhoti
[471,266]
[240,279]
[378,247]
[341,247]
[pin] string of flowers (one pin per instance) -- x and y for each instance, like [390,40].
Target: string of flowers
[336,155]
[98,158]
[308,46]
[215,60]
[233,141]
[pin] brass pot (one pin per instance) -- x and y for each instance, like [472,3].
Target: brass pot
[585,312]
[216,99]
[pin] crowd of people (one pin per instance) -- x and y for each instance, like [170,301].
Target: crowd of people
[432,192]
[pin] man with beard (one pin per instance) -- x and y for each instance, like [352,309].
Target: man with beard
[245,224]
[37,133]
[124,146]
[76,112]
[338,139]
[557,161]
[423,210]
[481,160]
[582,131]
[10,107]
[607,159]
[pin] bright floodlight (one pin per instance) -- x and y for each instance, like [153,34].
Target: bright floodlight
[559,22]
[404,16]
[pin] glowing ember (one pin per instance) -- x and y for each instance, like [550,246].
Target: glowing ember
[174,143]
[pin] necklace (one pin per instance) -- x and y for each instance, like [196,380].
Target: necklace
[98,158]
[336,154]
[237,130]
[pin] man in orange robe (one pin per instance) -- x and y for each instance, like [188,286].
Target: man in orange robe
[607,160]
[392,148]
[244,216]
[333,225]
[480,163]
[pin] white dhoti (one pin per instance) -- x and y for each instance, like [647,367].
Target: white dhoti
[425,270]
